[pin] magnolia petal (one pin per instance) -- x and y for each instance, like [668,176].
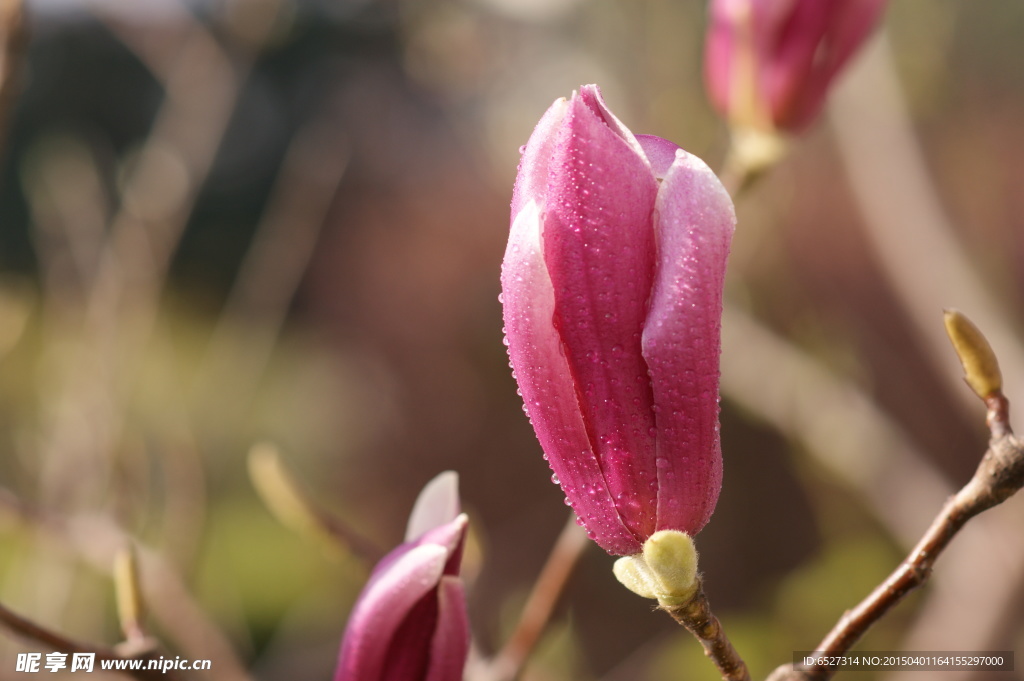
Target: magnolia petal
[791,54]
[547,387]
[848,25]
[726,69]
[408,654]
[591,96]
[395,588]
[436,505]
[532,180]
[450,644]
[598,245]
[783,55]
[694,221]
[660,152]
[452,537]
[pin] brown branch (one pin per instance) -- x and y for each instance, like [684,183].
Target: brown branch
[13,46]
[903,209]
[29,630]
[698,619]
[508,663]
[96,540]
[999,475]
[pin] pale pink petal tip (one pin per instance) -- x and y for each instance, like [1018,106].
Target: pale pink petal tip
[436,505]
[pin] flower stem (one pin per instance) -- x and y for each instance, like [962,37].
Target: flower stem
[698,619]
[752,153]
[508,663]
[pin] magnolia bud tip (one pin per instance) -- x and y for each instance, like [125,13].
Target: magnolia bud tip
[981,368]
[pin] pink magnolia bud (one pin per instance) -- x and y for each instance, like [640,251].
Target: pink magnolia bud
[410,621]
[770,62]
[612,292]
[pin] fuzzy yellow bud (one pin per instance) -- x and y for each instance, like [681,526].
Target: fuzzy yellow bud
[666,570]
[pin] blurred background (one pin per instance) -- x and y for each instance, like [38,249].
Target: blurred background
[242,221]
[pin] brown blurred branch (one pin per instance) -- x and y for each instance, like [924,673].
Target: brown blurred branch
[97,540]
[277,259]
[13,45]
[202,79]
[98,363]
[201,88]
[843,429]
[508,664]
[839,425]
[998,477]
[29,630]
[904,216]
[65,193]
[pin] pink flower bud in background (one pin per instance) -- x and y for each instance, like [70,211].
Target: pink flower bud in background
[769,63]
[612,292]
[410,621]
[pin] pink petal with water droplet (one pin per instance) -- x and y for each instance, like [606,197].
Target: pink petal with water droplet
[534,165]
[682,340]
[599,249]
[660,152]
[549,393]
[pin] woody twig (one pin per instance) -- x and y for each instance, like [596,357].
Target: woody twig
[998,477]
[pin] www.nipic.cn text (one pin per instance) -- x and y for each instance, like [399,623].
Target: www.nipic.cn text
[86,662]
